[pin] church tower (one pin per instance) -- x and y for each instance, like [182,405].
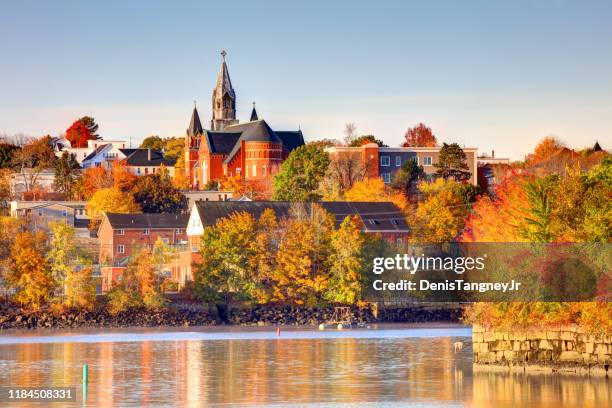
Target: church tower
[223,100]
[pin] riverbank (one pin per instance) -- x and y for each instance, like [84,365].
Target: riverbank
[196,315]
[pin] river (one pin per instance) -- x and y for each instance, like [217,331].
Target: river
[382,366]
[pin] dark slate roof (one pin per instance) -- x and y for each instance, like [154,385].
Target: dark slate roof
[151,221]
[375,216]
[140,157]
[257,131]
[195,126]
[292,139]
[221,142]
[597,147]
[224,83]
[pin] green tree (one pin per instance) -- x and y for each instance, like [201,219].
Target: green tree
[300,175]
[156,194]
[152,142]
[7,151]
[408,176]
[228,249]
[365,139]
[67,171]
[452,163]
[540,196]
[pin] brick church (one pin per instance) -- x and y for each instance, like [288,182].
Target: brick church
[251,150]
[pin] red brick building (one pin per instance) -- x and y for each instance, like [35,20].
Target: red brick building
[120,235]
[251,150]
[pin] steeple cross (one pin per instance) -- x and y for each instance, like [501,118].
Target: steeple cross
[223,54]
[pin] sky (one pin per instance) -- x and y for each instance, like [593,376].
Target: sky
[494,75]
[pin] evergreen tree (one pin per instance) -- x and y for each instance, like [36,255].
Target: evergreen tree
[452,163]
[67,171]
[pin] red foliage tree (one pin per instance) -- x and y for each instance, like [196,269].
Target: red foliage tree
[81,131]
[420,136]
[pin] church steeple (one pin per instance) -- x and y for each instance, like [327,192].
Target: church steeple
[195,126]
[253,114]
[223,100]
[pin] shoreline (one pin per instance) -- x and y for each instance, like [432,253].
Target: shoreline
[259,315]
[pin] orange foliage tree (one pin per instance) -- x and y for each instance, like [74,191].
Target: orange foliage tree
[81,131]
[374,189]
[420,136]
[92,180]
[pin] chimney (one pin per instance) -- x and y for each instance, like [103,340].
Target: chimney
[493,154]
[149,154]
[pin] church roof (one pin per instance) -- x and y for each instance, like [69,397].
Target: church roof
[146,157]
[221,142]
[195,126]
[224,83]
[257,131]
[292,139]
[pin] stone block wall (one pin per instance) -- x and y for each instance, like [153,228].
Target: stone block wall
[566,350]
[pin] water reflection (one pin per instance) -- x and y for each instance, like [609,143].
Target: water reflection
[196,373]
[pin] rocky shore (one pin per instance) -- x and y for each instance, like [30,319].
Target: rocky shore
[197,315]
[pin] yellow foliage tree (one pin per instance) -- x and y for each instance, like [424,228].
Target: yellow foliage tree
[110,200]
[180,179]
[30,275]
[374,189]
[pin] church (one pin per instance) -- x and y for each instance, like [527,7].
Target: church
[251,150]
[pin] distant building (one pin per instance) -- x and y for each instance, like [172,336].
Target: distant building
[486,159]
[110,147]
[28,179]
[250,150]
[41,213]
[384,162]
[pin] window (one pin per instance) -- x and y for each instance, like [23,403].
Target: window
[373,222]
[263,170]
[40,213]
[394,222]
[65,213]
[254,171]
[398,161]
[399,241]
[385,161]
[138,170]
[178,231]
[120,232]
[146,170]
[386,177]
[121,249]
[145,231]
[427,161]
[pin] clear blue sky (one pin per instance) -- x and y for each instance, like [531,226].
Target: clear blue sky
[496,75]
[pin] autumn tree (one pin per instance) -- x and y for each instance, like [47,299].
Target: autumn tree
[452,163]
[109,200]
[545,148]
[375,190]
[32,159]
[30,275]
[81,131]
[255,189]
[123,178]
[180,179]
[420,136]
[141,283]
[67,171]
[5,184]
[343,172]
[325,143]
[173,147]
[346,265]
[300,175]
[93,179]
[365,139]
[80,291]
[156,194]
[302,257]
[9,228]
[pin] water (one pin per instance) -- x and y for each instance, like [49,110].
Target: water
[385,366]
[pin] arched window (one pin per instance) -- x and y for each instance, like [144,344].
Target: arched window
[254,171]
[263,171]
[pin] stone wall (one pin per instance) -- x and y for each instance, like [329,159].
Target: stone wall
[564,350]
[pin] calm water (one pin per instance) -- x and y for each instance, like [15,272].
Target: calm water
[412,366]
